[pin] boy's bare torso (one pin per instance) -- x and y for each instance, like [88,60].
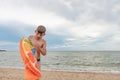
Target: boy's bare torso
[37,44]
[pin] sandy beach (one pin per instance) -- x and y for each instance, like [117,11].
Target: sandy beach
[18,74]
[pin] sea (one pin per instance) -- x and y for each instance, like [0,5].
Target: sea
[74,61]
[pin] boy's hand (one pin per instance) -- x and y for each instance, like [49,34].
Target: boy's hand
[43,51]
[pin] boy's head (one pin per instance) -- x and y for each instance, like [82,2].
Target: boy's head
[40,31]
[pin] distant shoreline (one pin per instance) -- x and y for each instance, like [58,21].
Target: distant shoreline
[2,50]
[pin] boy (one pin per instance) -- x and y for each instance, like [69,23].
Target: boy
[38,42]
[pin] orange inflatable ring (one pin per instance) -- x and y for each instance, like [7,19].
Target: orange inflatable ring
[32,71]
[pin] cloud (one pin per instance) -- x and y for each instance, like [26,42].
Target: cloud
[7,45]
[25,15]
[78,24]
[91,37]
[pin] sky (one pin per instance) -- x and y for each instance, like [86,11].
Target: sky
[78,25]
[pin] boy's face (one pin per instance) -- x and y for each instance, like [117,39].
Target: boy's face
[39,35]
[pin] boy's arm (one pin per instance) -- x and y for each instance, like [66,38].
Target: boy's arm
[43,49]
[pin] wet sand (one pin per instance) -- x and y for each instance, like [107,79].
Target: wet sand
[18,74]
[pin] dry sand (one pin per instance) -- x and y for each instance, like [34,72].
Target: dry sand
[18,74]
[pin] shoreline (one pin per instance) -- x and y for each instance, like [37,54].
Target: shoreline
[111,72]
[18,74]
